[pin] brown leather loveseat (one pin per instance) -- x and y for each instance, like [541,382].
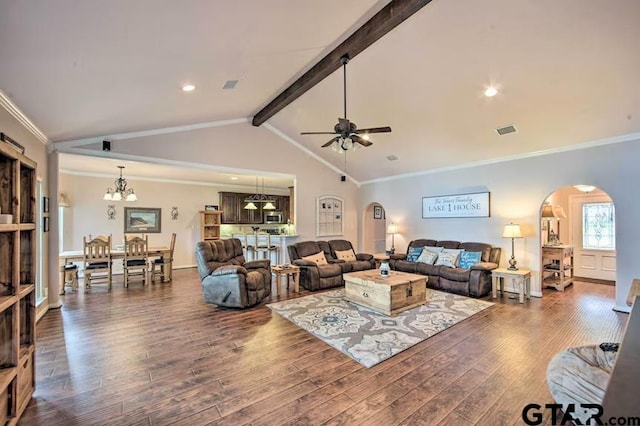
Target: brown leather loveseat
[474,282]
[227,279]
[316,275]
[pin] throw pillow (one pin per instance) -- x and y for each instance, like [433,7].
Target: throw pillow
[317,258]
[413,254]
[427,256]
[447,259]
[346,255]
[469,258]
[455,252]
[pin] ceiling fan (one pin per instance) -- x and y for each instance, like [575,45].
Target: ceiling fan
[345,129]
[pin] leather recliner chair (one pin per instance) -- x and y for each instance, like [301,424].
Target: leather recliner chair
[313,276]
[227,279]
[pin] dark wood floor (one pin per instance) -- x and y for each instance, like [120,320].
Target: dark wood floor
[159,355]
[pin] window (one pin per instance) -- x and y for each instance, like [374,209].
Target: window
[598,226]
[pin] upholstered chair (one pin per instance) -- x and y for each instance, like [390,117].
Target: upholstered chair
[227,279]
[314,273]
[356,261]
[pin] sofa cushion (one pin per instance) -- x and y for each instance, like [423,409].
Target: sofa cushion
[447,259]
[406,266]
[318,258]
[413,254]
[455,274]
[346,255]
[469,258]
[483,248]
[329,270]
[448,244]
[426,269]
[427,256]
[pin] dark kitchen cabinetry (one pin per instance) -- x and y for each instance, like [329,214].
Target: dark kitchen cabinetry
[233,211]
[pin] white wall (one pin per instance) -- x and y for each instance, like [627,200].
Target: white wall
[243,146]
[518,189]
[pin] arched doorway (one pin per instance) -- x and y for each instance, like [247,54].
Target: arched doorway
[374,225]
[578,220]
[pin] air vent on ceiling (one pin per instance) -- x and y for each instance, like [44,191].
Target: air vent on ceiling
[230,84]
[392,158]
[506,130]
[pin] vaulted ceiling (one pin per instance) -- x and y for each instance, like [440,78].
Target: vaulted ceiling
[566,72]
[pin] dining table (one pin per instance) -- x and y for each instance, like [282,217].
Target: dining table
[70,256]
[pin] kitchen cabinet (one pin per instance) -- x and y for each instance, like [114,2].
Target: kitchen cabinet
[232,204]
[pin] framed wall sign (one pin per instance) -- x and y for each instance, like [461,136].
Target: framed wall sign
[458,205]
[141,219]
[377,212]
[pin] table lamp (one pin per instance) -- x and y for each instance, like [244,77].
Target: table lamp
[512,231]
[549,213]
[393,230]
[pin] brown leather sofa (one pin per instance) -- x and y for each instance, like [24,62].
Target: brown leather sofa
[474,282]
[317,277]
[227,279]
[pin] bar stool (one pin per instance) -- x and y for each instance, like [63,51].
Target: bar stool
[71,276]
[247,249]
[264,246]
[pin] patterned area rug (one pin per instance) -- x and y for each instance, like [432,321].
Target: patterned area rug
[367,336]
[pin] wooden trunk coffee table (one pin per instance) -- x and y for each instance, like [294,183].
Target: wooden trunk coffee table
[389,295]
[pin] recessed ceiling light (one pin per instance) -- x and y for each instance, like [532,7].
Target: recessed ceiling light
[188,88]
[234,177]
[490,92]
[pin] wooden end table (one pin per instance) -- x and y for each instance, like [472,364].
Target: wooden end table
[285,271]
[521,277]
[379,258]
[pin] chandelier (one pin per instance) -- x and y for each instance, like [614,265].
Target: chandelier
[259,198]
[120,191]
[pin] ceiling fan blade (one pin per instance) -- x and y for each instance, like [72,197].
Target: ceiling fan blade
[361,141]
[374,130]
[318,133]
[331,142]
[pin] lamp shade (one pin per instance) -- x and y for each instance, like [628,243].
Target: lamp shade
[547,211]
[559,212]
[512,230]
[392,229]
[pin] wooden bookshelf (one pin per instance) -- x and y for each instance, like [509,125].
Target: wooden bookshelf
[210,222]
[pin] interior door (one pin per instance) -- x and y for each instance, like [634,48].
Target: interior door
[589,262]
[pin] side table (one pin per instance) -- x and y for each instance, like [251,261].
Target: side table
[279,271]
[521,277]
[379,258]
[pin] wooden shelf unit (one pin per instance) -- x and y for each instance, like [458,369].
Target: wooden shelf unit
[557,266]
[210,222]
[17,283]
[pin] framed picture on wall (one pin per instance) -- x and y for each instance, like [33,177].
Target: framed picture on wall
[377,212]
[142,219]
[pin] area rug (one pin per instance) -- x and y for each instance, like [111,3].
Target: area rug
[370,337]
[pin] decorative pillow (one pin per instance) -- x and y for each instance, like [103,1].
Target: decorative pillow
[346,255]
[317,258]
[414,253]
[447,259]
[435,250]
[455,252]
[469,258]
[427,256]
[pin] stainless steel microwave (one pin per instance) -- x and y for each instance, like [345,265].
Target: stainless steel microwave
[273,217]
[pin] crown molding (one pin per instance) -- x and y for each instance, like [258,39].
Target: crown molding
[295,143]
[151,132]
[590,144]
[13,109]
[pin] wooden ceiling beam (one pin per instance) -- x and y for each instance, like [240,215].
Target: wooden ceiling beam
[392,15]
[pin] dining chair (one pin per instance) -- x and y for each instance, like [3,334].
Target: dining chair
[163,265]
[97,259]
[264,246]
[136,255]
[71,275]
